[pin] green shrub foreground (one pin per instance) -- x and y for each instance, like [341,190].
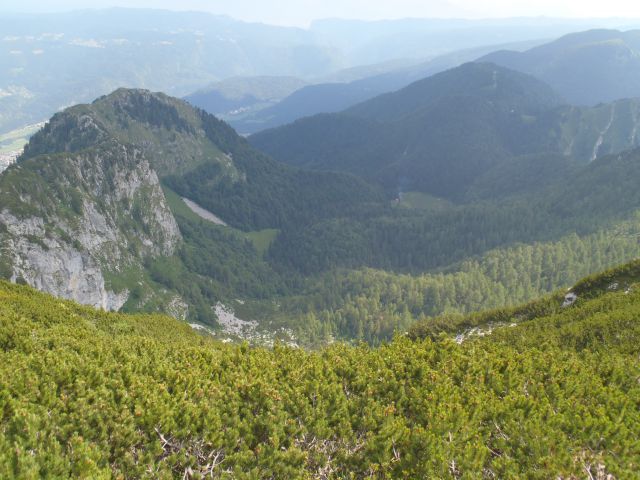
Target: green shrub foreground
[88,394]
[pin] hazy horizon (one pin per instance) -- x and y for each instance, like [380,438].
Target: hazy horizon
[301,14]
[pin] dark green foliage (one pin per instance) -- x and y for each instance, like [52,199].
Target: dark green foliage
[592,198]
[455,133]
[228,257]
[65,133]
[270,194]
[407,241]
[507,89]
[153,111]
[213,263]
[218,170]
[436,135]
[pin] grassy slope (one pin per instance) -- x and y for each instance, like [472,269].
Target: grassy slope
[87,394]
[178,207]
[261,239]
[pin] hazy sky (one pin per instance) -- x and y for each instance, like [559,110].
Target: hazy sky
[301,12]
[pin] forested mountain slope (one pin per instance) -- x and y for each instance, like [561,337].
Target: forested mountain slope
[92,211]
[85,216]
[597,196]
[550,392]
[441,134]
[186,145]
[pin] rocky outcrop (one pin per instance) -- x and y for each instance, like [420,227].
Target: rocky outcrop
[70,219]
[61,270]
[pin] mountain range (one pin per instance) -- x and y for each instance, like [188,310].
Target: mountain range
[586,68]
[438,135]
[106,204]
[88,208]
[460,191]
[51,61]
[428,268]
[327,97]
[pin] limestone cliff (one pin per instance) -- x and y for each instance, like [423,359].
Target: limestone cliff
[68,219]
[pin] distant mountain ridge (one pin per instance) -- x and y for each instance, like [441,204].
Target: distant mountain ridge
[586,68]
[237,94]
[84,54]
[335,96]
[440,134]
[422,37]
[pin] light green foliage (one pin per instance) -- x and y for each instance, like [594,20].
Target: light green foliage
[178,207]
[86,394]
[263,239]
[422,201]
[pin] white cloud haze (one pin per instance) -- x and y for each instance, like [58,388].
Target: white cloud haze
[301,12]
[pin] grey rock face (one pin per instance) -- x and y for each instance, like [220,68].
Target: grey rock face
[118,218]
[62,271]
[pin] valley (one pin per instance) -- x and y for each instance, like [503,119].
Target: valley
[290,236]
[12,144]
